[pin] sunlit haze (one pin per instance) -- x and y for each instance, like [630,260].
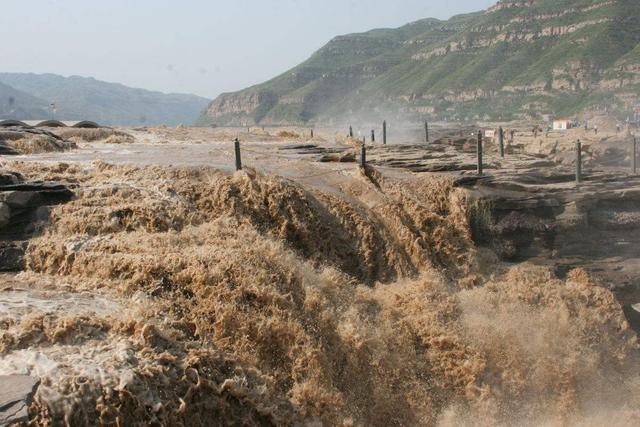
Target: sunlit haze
[192,46]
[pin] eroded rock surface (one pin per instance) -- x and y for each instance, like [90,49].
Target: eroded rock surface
[23,207]
[549,220]
[24,140]
[16,393]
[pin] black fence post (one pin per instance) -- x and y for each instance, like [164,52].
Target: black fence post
[426,130]
[578,162]
[363,155]
[384,132]
[236,145]
[501,136]
[311,133]
[373,135]
[634,158]
[350,131]
[480,168]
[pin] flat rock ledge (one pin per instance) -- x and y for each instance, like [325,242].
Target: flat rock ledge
[24,207]
[16,394]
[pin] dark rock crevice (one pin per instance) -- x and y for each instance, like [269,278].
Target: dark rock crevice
[24,210]
[595,226]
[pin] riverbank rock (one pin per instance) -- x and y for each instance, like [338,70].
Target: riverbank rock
[21,140]
[5,214]
[16,393]
[24,206]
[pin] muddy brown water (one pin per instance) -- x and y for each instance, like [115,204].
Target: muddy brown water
[175,291]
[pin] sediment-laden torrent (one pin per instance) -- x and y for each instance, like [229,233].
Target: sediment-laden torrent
[206,298]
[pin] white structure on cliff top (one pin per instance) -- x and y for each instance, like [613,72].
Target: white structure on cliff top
[562,124]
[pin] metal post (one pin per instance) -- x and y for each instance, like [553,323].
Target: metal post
[236,145]
[480,171]
[578,162]
[363,155]
[311,133]
[501,131]
[384,132]
[373,135]
[634,159]
[350,131]
[426,130]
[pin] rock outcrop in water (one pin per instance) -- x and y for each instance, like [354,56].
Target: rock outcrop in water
[16,395]
[23,207]
[25,140]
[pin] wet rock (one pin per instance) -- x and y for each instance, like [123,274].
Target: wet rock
[16,394]
[24,209]
[632,313]
[32,186]
[19,199]
[12,256]
[21,140]
[7,151]
[298,147]
[14,133]
[544,218]
[346,157]
[5,214]
[32,195]
[10,178]
[42,215]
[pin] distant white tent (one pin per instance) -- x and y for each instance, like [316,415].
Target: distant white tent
[562,124]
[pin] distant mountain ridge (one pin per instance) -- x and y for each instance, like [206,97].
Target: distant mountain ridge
[514,60]
[83,98]
[15,103]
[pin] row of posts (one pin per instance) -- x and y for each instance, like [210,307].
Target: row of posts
[579,175]
[634,159]
[384,132]
[480,153]
[363,150]
[373,133]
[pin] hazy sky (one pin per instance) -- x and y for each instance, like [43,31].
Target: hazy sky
[194,46]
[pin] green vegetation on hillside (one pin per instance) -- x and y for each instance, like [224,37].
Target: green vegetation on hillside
[551,56]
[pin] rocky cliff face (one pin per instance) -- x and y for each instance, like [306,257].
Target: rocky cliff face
[238,106]
[515,60]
